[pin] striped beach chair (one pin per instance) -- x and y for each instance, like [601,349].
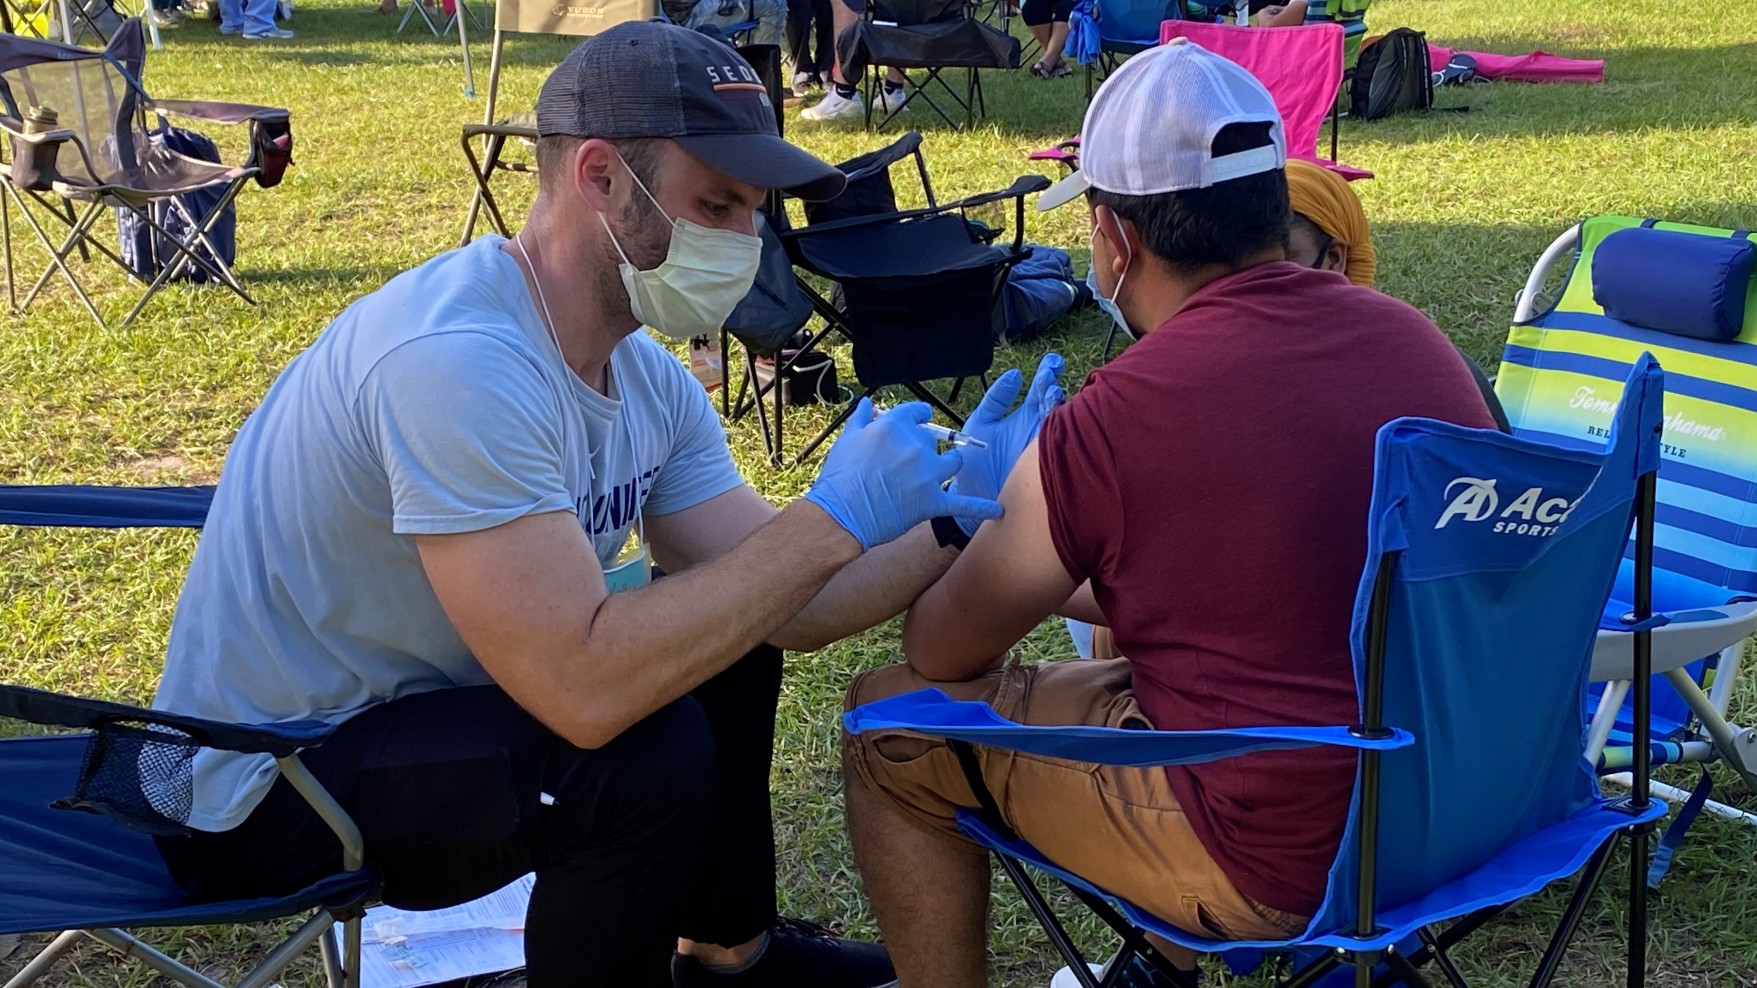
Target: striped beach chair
[1685,294]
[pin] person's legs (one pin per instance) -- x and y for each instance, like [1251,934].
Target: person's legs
[259,17]
[1058,39]
[231,16]
[799,37]
[459,792]
[731,899]
[1036,15]
[1120,828]
[823,23]
[929,894]
[731,933]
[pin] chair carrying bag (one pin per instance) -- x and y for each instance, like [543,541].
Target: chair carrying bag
[145,252]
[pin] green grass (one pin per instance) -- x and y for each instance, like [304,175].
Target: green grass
[1462,205]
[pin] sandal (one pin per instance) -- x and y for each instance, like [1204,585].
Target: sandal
[1061,70]
[1039,71]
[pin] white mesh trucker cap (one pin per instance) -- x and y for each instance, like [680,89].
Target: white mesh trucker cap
[1151,127]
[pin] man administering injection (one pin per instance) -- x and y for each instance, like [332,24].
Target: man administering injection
[436,531]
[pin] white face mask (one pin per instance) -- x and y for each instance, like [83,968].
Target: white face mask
[1107,304]
[705,274]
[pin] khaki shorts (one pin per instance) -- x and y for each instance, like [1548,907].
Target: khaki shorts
[1119,828]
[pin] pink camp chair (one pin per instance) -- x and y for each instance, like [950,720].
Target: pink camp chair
[1300,66]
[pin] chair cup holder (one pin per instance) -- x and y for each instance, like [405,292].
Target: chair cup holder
[273,151]
[33,163]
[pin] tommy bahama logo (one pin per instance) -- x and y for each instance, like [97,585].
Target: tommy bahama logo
[569,10]
[1531,513]
[1676,425]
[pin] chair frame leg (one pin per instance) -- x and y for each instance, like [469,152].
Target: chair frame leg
[39,965]
[130,945]
[57,256]
[1558,945]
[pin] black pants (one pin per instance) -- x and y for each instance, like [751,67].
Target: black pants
[801,16]
[664,832]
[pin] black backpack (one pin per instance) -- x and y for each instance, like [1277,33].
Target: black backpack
[1392,76]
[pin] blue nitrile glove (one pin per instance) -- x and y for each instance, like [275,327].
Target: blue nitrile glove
[885,475]
[985,470]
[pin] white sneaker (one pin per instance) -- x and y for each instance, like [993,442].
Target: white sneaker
[835,106]
[888,102]
[1064,978]
[802,84]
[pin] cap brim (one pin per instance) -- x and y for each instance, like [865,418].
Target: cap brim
[1063,192]
[768,162]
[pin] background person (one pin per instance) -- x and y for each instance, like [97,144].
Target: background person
[811,44]
[844,99]
[1048,22]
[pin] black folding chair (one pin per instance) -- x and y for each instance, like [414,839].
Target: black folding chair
[916,291]
[96,151]
[932,36]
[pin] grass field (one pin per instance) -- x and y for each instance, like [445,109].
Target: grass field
[1462,205]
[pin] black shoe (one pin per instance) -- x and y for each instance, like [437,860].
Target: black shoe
[797,955]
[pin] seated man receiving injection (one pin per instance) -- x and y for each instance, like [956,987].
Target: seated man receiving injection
[1211,485]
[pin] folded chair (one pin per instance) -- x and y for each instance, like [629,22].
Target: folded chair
[79,810]
[916,290]
[520,129]
[95,154]
[1684,293]
[932,36]
[1471,648]
[526,17]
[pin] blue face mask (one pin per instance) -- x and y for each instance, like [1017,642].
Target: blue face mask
[1107,304]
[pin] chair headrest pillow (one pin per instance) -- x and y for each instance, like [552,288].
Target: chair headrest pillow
[1686,284]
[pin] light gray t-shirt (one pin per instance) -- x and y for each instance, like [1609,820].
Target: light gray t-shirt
[436,405]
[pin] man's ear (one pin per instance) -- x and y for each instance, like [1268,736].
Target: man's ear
[595,163]
[1120,234]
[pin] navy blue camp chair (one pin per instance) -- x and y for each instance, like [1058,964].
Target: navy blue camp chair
[1471,640]
[78,811]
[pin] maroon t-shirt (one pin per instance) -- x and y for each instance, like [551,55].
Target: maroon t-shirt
[1213,482]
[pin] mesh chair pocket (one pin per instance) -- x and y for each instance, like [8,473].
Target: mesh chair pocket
[141,775]
[272,149]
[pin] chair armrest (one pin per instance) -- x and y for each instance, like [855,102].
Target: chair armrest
[932,713]
[1685,637]
[503,129]
[14,127]
[92,506]
[1022,186]
[221,113]
[56,710]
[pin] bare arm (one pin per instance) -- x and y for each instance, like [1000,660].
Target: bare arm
[1292,15]
[1002,586]
[529,600]
[867,592]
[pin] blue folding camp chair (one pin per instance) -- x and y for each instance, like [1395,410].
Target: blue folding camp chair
[1126,27]
[1471,640]
[1685,294]
[96,871]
